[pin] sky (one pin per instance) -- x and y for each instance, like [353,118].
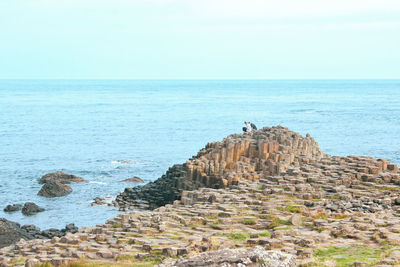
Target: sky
[199,39]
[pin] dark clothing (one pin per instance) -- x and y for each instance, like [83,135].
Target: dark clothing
[253,126]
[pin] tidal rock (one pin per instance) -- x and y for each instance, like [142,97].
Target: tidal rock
[239,257]
[13,207]
[61,177]
[10,233]
[99,201]
[132,180]
[54,189]
[31,208]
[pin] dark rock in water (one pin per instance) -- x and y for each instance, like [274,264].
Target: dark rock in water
[61,177]
[13,207]
[31,209]
[256,256]
[132,180]
[10,233]
[99,201]
[54,189]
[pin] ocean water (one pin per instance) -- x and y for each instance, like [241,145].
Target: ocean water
[109,130]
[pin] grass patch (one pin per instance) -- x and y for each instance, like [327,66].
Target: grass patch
[125,258]
[249,221]
[293,209]
[276,222]
[48,264]
[320,215]
[264,234]
[387,188]
[346,256]
[339,216]
[238,236]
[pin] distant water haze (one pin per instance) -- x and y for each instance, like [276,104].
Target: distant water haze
[109,130]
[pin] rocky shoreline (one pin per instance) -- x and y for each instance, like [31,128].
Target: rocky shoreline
[268,198]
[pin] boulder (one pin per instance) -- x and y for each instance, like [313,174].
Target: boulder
[239,257]
[61,177]
[134,179]
[10,233]
[54,189]
[13,207]
[296,220]
[31,209]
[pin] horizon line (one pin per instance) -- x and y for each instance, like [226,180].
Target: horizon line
[195,79]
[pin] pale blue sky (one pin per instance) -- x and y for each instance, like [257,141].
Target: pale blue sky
[200,39]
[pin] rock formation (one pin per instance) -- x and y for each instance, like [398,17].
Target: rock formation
[134,179]
[271,188]
[61,177]
[54,189]
[31,208]
[10,233]
[251,156]
[239,257]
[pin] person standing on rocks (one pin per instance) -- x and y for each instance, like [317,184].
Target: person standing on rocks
[249,127]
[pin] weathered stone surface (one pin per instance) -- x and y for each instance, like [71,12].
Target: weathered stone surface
[31,208]
[239,257]
[10,232]
[54,189]
[296,220]
[61,177]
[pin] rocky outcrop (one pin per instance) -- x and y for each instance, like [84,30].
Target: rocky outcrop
[54,189]
[256,256]
[31,208]
[251,156]
[49,233]
[134,179]
[61,177]
[12,208]
[323,209]
[11,232]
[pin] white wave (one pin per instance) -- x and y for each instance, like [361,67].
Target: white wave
[125,162]
[96,182]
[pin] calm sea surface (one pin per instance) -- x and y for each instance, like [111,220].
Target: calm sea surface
[107,131]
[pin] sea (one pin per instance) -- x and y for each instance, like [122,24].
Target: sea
[109,130]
